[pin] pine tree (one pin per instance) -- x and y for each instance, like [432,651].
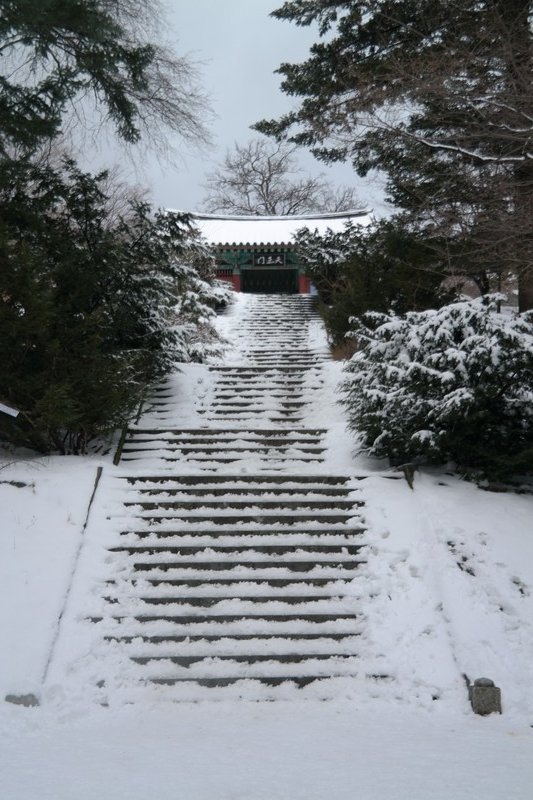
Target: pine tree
[55,53]
[88,296]
[91,311]
[381,268]
[439,96]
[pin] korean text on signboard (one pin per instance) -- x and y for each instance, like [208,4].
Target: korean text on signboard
[269,259]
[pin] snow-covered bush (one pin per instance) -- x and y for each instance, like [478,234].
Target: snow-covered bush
[195,314]
[94,306]
[448,384]
[199,294]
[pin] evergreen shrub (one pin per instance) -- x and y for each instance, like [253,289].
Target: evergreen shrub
[93,307]
[449,384]
[384,267]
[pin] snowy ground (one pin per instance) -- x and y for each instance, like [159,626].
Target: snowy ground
[450,587]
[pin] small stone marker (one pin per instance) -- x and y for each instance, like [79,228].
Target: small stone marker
[28,700]
[485,697]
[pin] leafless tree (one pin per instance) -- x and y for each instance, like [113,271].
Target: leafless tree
[264,178]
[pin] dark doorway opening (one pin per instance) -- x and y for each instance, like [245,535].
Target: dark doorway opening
[269,281]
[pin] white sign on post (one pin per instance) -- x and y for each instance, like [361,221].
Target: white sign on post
[8,410]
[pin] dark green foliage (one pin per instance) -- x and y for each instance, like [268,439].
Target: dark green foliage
[451,384]
[85,305]
[383,268]
[438,96]
[54,52]
[93,304]
[72,45]
[446,65]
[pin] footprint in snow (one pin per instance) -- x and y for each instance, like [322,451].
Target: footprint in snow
[521,586]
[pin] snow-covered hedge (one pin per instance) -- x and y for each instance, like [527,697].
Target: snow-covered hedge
[451,384]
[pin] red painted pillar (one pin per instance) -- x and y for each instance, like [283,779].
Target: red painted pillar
[236,281]
[303,284]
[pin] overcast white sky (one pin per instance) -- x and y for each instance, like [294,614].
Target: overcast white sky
[239,47]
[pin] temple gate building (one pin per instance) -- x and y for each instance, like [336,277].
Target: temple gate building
[257,254]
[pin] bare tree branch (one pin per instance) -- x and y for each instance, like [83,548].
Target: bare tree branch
[264,178]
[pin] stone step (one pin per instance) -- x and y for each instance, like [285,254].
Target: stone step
[199,444]
[213,459]
[257,584]
[218,628]
[280,658]
[290,536]
[282,419]
[251,404]
[261,371]
[257,408]
[337,550]
[226,447]
[311,362]
[214,549]
[152,543]
[281,494]
[210,601]
[275,363]
[254,433]
[236,480]
[252,394]
[248,505]
[219,638]
[241,572]
[287,353]
[294,347]
[259,519]
[298,681]
[212,566]
[240,385]
[237,387]
[232,561]
[344,665]
[263,518]
[228,436]
[281,600]
[287,348]
[314,617]
[347,565]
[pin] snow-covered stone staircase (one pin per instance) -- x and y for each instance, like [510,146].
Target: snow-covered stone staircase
[237,548]
[240,577]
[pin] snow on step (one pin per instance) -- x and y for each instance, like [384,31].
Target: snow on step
[236,554]
[224,445]
[255,582]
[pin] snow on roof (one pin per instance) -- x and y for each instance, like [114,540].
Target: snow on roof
[220,229]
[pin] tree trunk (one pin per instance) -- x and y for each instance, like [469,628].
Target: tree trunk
[525,289]
[523,234]
[515,15]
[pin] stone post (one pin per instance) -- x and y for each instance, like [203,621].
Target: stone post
[485,697]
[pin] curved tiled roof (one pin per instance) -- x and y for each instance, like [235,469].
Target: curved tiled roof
[222,229]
